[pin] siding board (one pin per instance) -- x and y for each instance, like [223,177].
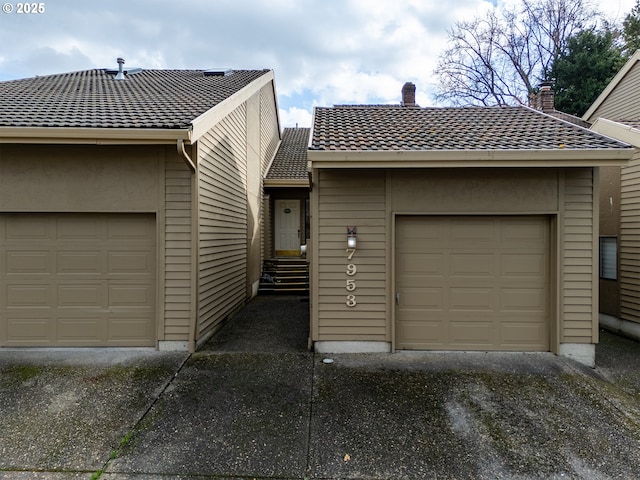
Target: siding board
[352,198]
[577,288]
[630,240]
[222,205]
[177,250]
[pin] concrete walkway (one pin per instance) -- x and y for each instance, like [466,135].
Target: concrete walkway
[255,404]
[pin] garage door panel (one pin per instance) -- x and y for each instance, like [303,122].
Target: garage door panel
[524,231]
[79,263]
[78,228]
[423,298]
[130,295]
[127,229]
[130,262]
[80,295]
[472,264]
[523,300]
[523,265]
[471,298]
[29,330]
[423,333]
[471,334]
[526,335]
[128,330]
[26,262]
[81,330]
[28,295]
[477,230]
[422,264]
[18,227]
[492,292]
[77,280]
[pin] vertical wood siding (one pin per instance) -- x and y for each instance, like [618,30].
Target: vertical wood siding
[577,289]
[178,238]
[352,198]
[630,241]
[222,203]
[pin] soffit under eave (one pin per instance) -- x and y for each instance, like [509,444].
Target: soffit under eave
[93,136]
[467,158]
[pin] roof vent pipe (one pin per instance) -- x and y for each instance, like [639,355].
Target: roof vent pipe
[120,75]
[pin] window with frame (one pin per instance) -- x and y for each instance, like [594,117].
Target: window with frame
[609,258]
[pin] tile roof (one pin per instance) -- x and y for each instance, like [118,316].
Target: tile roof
[290,161]
[371,128]
[165,99]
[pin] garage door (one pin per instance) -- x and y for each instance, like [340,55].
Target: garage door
[77,280]
[472,283]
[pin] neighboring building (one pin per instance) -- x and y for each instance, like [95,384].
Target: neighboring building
[474,228]
[131,204]
[616,113]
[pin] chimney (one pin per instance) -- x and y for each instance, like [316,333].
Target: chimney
[120,75]
[409,95]
[544,100]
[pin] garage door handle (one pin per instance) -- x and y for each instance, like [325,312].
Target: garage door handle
[398,298]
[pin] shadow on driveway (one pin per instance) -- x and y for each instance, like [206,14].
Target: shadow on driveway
[267,324]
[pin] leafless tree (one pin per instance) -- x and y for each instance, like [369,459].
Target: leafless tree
[501,58]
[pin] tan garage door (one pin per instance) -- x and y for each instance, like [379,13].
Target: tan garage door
[77,280]
[472,283]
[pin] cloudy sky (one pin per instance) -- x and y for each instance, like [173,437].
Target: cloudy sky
[323,52]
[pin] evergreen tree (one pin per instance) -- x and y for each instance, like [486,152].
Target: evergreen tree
[584,69]
[631,31]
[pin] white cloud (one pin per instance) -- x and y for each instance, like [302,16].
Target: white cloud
[295,117]
[323,52]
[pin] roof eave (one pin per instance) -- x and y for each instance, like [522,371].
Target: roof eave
[97,136]
[286,182]
[470,158]
[617,131]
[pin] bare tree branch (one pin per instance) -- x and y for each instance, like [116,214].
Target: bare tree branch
[499,59]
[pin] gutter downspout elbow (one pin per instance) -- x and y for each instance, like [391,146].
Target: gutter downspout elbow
[183,153]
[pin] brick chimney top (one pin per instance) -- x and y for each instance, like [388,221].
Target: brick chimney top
[409,95]
[544,100]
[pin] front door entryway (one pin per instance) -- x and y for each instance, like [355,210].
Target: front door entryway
[287,227]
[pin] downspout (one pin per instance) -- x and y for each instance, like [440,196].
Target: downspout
[183,153]
[193,324]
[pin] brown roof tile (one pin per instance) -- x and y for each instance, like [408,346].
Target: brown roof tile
[290,161]
[92,98]
[371,128]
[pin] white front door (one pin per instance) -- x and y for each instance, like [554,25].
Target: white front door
[287,227]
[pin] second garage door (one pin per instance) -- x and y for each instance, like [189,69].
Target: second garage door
[472,283]
[77,280]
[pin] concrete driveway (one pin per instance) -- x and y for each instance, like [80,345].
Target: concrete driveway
[257,405]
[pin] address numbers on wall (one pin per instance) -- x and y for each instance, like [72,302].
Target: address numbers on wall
[351,284]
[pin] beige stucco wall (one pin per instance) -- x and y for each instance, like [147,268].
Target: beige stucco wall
[370,198]
[79,178]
